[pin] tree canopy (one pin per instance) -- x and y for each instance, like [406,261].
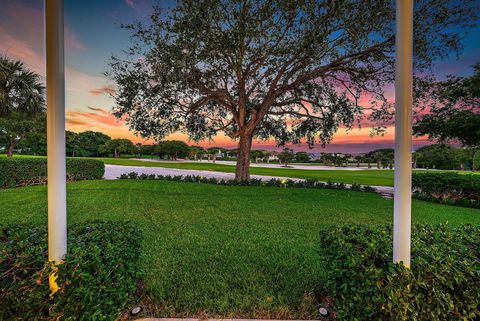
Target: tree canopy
[21,89]
[277,69]
[286,156]
[117,147]
[438,156]
[302,157]
[454,110]
[173,149]
[85,144]
[16,127]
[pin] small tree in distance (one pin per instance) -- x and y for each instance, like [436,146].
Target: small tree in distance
[196,151]
[256,155]
[212,153]
[16,127]
[117,147]
[438,156]
[173,149]
[286,156]
[302,157]
[88,143]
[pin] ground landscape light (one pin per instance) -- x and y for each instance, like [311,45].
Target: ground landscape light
[136,310]
[323,312]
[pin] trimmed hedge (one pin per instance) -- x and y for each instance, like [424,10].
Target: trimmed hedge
[15,172]
[308,183]
[448,188]
[443,283]
[95,282]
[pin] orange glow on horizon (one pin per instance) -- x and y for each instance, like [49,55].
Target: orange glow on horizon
[102,121]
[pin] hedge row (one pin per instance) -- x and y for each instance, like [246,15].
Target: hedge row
[95,282]
[309,183]
[442,284]
[448,188]
[15,172]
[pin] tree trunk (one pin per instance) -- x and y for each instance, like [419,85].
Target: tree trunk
[10,149]
[242,171]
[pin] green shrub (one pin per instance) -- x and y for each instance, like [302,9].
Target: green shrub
[308,183]
[476,161]
[443,283]
[448,188]
[33,171]
[96,280]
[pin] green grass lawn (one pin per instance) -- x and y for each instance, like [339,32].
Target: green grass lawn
[222,250]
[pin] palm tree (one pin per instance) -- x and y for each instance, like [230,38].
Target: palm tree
[20,89]
[22,103]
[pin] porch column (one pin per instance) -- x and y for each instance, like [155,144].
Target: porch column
[403,132]
[57,202]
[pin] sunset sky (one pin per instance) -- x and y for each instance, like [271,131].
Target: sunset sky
[92,35]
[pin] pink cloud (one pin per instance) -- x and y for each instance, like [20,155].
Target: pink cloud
[107,90]
[21,50]
[71,40]
[22,35]
[94,118]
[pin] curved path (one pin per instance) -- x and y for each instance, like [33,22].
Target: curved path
[114,171]
[311,167]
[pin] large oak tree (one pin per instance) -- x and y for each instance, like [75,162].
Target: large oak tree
[291,70]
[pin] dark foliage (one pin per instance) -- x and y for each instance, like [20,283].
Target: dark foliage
[95,281]
[442,156]
[443,283]
[172,149]
[454,110]
[21,90]
[85,144]
[16,172]
[448,188]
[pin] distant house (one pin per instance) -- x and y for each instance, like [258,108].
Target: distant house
[273,156]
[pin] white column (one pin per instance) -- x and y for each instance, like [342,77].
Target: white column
[403,132]
[57,201]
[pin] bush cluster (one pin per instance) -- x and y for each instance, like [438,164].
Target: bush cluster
[443,283]
[95,282]
[15,172]
[448,188]
[309,183]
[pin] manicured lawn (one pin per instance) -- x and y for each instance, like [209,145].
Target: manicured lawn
[222,250]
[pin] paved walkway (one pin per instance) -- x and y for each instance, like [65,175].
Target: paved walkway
[114,172]
[311,167]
